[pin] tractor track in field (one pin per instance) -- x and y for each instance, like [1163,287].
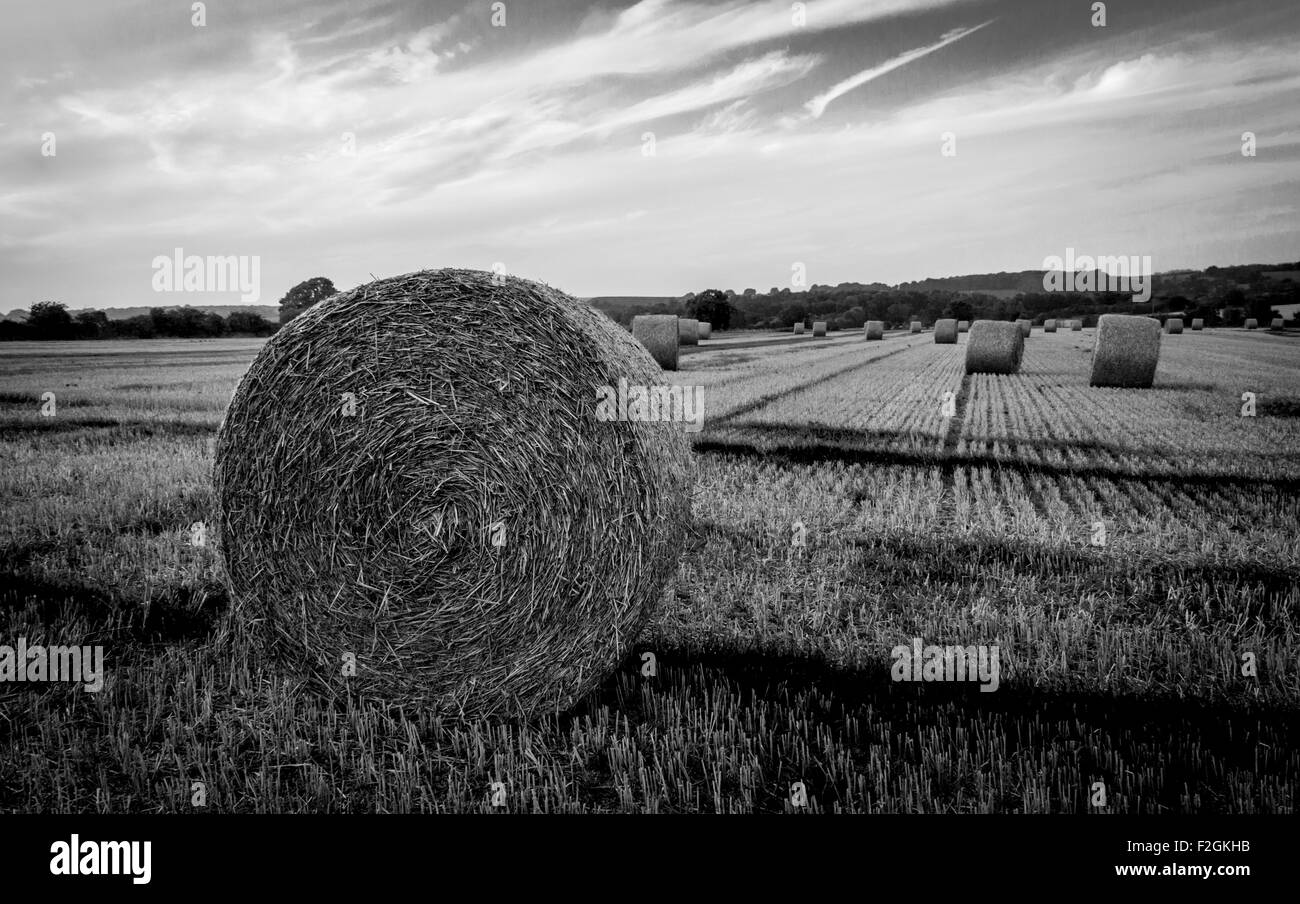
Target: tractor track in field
[951,437]
[799,452]
[749,407]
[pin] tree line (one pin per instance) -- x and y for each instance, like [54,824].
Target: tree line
[850,305]
[51,320]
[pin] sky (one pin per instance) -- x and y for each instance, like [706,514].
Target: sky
[636,148]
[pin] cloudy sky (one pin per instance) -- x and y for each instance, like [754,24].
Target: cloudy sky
[637,148]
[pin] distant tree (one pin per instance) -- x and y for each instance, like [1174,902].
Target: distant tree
[959,309]
[791,314]
[12,329]
[851,319]
[1233,298]
[212,324]
[92,324]
[51,320]
[713,307]
[303,296]
[248,322]
[898,312]
[1259,308]
[140,326]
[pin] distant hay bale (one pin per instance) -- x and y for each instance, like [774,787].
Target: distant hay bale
[659,334]
[994,347]
[1076,325]
[799,328]
[945,332]
[1198,324]
[1174,326]
[1252,324]
[688,331]
[1049,326]
[963,326]
[1126,351]
[819,328]
[1276,324]
[705,329]
[916,326]
[875,329]
[478,534]
[1026,327]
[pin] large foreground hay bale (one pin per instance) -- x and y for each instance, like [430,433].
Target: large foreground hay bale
[1277,324]
[819,328]
[1026,327]
[688,331]
[375,536]
[945,332]
[1076,326]
[1252,324]
[916,326]
[1198,324]
[963,326]
[1126,351]
[1049,326]
[875,329]
[658,333]
[1174,326]
[705,330]
[994,347]
[799,328]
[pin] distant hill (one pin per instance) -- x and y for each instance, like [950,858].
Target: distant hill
[623,302]
[269,311]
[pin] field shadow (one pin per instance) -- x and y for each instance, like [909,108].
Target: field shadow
[1065,740]
[106,428]
[186,614]
[816,445]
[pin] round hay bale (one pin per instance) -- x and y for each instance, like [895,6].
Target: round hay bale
[916,326]
[799,328]
[875,329]
[1198,324]
[945,332]
[1076,325]
[1277,324]
[1174,326]
[819,328]
[688,331]
[1049,326]
[658,333]
[1252,324]
[994,347]
[479,534]
[705,329]
[1026,327]
[963,326]
[1126,351]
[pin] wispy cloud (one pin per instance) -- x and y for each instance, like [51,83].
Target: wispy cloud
[524,144]
[817,106]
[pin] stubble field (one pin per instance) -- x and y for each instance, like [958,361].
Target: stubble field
[1122,664]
